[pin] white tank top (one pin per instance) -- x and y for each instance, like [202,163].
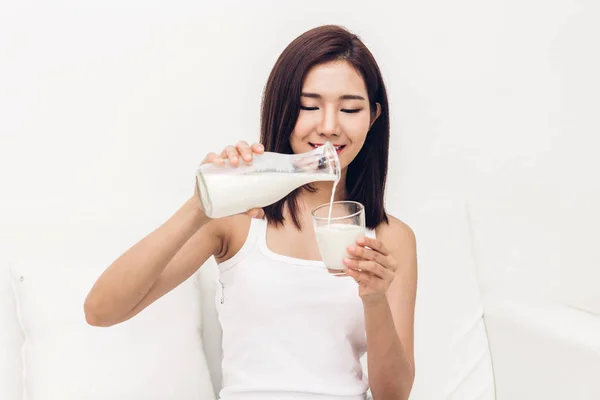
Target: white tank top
[291,331]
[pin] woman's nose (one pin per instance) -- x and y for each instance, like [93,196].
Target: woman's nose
[329,124]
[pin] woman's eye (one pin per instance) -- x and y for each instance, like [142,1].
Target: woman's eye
[351,111]
[309,108]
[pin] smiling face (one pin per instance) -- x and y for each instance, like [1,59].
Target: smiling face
[335,108]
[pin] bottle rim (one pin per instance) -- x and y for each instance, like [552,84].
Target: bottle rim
[333,157]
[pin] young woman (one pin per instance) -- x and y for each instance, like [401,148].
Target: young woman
[290,329]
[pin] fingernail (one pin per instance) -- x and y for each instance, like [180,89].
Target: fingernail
[351,249]
[360,240]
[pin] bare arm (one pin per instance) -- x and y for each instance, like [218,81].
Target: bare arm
[165,258]
[154,266]
[386,270]
[390,322]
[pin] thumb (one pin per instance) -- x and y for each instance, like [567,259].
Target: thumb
[256,213]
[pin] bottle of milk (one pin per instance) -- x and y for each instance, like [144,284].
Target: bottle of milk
[226,190]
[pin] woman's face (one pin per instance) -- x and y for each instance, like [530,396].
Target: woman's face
[334,107]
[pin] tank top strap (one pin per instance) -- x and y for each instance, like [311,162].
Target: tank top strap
[259,224]
[258,229]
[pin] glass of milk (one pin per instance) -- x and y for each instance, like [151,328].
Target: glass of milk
[337,225]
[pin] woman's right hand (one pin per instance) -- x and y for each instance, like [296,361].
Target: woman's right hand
[234,153]
[242,150]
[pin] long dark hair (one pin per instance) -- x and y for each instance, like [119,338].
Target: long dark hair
[366,175]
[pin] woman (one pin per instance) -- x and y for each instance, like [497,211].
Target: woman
[291,331]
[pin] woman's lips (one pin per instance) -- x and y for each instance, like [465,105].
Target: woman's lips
[338,147]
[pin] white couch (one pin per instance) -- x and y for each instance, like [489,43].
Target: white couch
[525,348]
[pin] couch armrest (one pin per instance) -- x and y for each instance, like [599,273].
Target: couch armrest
[543,351]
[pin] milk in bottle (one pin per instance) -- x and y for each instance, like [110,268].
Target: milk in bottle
[226,190]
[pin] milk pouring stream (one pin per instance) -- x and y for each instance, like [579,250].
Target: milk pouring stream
[225,190]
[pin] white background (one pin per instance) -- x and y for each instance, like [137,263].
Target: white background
[107,107]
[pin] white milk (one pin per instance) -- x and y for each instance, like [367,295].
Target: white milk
[233,194]
[333,239]
[331,201]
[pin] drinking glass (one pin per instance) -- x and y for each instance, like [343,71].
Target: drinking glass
[337,225]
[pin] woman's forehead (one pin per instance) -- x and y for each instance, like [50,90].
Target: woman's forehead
[333,80]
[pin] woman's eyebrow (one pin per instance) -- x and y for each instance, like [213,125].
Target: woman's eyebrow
[343,97]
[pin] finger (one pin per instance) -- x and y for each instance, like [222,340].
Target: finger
[362,278]
[232,155]
[374,244]
[337,273]
[256,213]
[212,158]
[258,148]
[367,254]
[371,267]
[251,213]
[244,149]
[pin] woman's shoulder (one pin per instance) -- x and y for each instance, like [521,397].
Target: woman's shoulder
[399,240]
[394,231]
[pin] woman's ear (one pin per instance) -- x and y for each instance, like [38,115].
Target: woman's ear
[376,114]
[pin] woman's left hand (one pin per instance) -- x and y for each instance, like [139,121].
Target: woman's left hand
[372,267]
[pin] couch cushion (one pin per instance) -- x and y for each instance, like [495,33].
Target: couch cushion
[451,349]
[543,349]
[155,355]
[11,341]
